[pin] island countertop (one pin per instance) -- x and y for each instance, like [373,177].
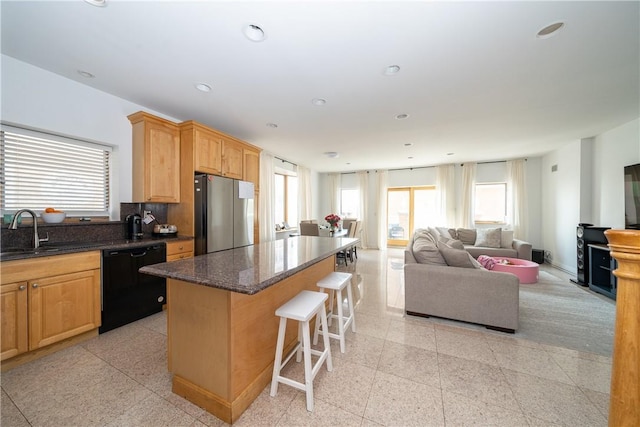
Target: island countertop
[251,269]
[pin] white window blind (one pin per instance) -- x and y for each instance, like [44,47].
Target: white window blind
[40,170]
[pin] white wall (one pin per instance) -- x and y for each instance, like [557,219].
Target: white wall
[42,100]
[588,187]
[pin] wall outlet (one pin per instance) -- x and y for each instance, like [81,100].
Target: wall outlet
[146,213]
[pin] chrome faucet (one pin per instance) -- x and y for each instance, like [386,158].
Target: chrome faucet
[13,225]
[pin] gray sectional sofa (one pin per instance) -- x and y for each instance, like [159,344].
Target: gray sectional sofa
[440,282]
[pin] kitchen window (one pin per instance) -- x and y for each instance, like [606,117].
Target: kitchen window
[40,170]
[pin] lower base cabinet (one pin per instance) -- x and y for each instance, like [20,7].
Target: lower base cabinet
[47,300]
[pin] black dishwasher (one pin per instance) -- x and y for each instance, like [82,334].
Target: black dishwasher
[128,295]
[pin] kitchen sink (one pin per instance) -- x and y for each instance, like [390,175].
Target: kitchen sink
[27,251]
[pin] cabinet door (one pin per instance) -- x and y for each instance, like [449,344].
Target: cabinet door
[162,163]
[208,152]
[63,306]
[13,300]
[252,167]
[232,159]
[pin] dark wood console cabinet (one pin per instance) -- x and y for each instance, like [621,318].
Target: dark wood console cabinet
[601,266]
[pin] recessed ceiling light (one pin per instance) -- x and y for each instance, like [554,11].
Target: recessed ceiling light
[402,116]
[331,154]
[408,144]
[203,87]
[550,30]
[348,163]
[410,157]
[318,101]
[86,74]
[450,154]
[98,3]
[272,125]
[391,70]
[254,33]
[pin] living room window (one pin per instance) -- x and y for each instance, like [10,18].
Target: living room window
[490,203]
[349,203]
[40,170]
[409,208]
[286,199]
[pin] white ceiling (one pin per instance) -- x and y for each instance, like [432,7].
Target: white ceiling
[474,79]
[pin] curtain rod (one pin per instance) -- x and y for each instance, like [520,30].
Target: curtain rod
[494,161]
[285,161]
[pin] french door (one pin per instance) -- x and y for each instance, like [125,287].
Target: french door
[409,208]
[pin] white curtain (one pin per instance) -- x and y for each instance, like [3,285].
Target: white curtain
[334,193]
[383,186]
[363,191]
[267,200]
[468,190]
[445,187]
[516,189]
[304,193]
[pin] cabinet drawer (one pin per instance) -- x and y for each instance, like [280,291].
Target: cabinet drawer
[181,255]
[174,248]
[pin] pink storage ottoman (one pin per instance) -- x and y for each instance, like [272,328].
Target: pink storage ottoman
[527,271]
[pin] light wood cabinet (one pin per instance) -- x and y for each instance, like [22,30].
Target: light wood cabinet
[156,159]
[179,250]
[251,169]
[207,150]
[232,159]
[202,146]
[15,338]
[47,300]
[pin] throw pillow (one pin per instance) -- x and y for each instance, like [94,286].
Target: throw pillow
[454,233]
[455,257]
[466,236]
[426,252]
[452,243]
[507,239]
[489,237]
[444,232]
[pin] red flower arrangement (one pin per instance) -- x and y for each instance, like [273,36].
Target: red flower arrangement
[332,219]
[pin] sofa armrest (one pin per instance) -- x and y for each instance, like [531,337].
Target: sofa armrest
[523,248]
[408,257]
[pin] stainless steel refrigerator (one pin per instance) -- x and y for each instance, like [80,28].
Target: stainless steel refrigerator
[223,213]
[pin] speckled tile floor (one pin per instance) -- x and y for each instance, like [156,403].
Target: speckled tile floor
[397,371]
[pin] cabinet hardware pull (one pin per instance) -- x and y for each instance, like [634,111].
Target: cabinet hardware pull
[22,287]
[35,285]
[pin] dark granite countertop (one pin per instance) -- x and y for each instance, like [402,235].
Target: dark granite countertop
[251,269]
[60,248]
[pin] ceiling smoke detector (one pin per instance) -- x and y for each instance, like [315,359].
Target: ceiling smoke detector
[203,87]
[331,154]
[391,70]
[86,74]
[401,116]
[318,101]
[97,3]
[272,125]
[550,30]
[254,33]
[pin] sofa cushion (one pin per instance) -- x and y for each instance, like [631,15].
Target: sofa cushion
[456,257]
[506,239]
[466,235]
[426,252]
[452,243]
[489,237]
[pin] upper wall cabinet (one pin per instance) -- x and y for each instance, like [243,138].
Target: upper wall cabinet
[232,159]
[205,147]
[156,159]
[251,159]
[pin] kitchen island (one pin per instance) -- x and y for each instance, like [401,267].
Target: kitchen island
[221,322]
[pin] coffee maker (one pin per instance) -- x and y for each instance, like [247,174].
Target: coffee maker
[134,226]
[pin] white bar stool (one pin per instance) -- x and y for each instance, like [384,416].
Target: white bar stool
[336,282]
[302,308]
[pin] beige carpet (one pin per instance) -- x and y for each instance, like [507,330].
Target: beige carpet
[558,312]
